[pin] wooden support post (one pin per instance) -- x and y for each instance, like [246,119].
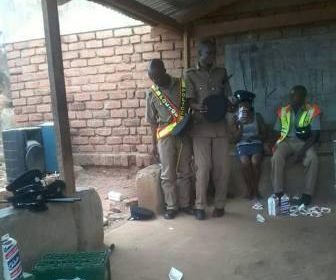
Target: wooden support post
[58,94]
[186,48]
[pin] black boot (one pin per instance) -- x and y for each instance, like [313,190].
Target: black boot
[305,199]
[199,214]
[217,213]
[187,210]
[170,214]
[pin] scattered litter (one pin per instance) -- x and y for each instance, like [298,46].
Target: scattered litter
[273,205]
[258,206]
[115,196]
[314,211]
[175,274]
[296,197]
[325,210]
[260,219]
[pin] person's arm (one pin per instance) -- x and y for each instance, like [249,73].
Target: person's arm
[263,133]
[237,129]
[151,118]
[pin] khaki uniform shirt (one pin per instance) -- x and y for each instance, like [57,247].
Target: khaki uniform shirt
[156,112]
[201,83]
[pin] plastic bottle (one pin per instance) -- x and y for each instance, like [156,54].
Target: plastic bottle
[284,205]
[11,259]
[271,202]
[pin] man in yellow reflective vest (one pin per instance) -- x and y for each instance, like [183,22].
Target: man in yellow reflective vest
[163,110]
[298,125]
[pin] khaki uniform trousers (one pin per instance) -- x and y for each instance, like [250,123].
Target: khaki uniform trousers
[288,147]
[176,180]
[211,159]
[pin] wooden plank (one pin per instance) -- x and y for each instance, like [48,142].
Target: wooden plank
[267,22]
[186,48]
[141,12]
[58,93]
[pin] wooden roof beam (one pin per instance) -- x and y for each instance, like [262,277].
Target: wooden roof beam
[141,12]
[267,22]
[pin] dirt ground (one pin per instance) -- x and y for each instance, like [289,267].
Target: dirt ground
[234,247]
[104,180]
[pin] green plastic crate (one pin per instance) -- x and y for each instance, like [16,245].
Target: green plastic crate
[84,265]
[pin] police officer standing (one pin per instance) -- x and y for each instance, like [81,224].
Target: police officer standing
[210,139]
[165,103]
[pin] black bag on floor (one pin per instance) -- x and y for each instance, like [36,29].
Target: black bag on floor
[141,214]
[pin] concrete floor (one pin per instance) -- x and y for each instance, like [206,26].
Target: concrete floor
[233,247]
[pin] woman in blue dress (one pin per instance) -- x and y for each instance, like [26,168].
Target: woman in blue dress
[250,134]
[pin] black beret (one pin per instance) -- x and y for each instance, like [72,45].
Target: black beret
[244,96]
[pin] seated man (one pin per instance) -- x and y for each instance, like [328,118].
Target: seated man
[299,127]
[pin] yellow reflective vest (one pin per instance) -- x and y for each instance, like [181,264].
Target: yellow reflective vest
[284,114]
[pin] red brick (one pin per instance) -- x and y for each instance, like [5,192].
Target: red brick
[112,42]
[34,100]
[66,64]
[104,131]
[125,41]
[29,68]
[149,38]
[125,148]
[99,96]
[90,87]
[171,54]
[95,105]
[151,55]
[131,122]
[131,140]
[47,99]
[72,72]
[94,44]
[105,52]
[79,80]
[78,63]
[113,122]
[77,123]
[98,78]
[86,148]
[42,50]
[36,117]
[80,140]
[142,130]
[143,47]
[88,70]
[18,110]
[107,86]
[21,118]
[15,94]
[21,61]
[124,50]
[70,55]
[127,84]
[43,108]
[142,148]
[125,67]
[113,104]
[101,114]
[104,34]
[145,84]
[114,140]
[27,52]
[83,115]
[146,139]
[130,94]
[126,58]
[86,36]
[97,140]
[28,109]
[95,61]
[135,39]
[140,94]
[43,66]
[106,69]
[82,97]
[14,87]
[114,59]
[9,47]
[136,57]
[120,131]
[131,113]
[72,89]
[76,46]
[123,32]
[87,53]
[163,46]
[87,132]
[117,77]
[118,95]
[142,29]
[48,117]
[13,55]
[69,38]
[16,71]
[38,59]
[119,113]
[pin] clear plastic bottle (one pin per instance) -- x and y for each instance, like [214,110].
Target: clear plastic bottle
[284,205]
[11,259]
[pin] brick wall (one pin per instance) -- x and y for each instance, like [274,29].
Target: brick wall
[106,80]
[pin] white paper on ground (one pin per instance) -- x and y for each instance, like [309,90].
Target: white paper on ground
[260,219]
[175,274]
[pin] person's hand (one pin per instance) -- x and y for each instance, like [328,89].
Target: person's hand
[299,156]
[199,107]
[155,154]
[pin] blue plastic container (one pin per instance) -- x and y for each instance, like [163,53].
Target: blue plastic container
[50,147]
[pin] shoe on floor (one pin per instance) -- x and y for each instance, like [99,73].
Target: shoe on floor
[187,210]
[217,213]
[170,214]
[199,214]
[305,199]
